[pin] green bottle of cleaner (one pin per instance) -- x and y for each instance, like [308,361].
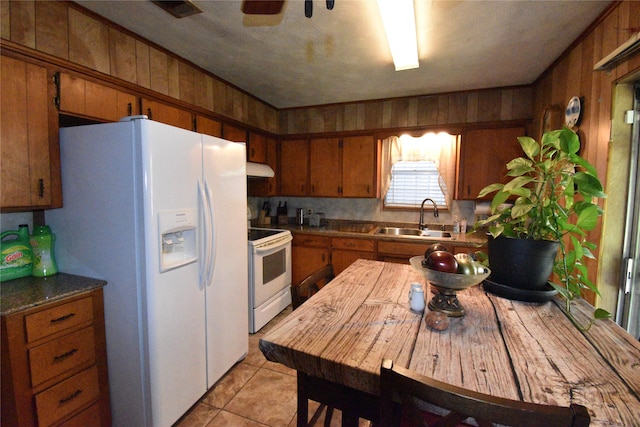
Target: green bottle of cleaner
[17,256]
[44,260]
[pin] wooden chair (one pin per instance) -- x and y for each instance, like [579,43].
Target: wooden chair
[299,294]
[485,409]
[310,285]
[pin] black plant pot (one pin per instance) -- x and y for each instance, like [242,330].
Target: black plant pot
[521,263]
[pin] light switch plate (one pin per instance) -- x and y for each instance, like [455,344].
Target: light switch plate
[628,117]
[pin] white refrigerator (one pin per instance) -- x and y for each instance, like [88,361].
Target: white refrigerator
[160,214]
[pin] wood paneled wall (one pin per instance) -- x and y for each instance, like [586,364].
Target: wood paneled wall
[491,105]
[69,32]
[573,75]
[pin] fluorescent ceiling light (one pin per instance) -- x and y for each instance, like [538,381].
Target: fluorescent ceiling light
[398,18]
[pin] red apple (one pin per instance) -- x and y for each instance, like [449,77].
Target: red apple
[442,261]
[433,248]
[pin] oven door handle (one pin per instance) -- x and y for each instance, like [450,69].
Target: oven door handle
[274,245]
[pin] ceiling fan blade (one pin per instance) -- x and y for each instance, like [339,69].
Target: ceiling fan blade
[262,7]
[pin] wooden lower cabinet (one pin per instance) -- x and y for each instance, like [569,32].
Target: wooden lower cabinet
[400,252]
[308,254]
[344,251]
[54,364]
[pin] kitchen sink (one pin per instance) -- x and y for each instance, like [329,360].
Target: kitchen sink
[436,233]
[397,231]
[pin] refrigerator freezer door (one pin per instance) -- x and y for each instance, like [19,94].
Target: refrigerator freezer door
[227,292]
[172,167]
[106,240]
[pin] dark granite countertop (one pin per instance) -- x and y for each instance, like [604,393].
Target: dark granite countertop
[27,292]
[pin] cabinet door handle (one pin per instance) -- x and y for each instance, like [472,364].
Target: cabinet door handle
[62,318]
[468,190]
[41,188]
[71,396]
[368,189]
[129,109]
[66,355]
[56,82]
[149,114]
[313,188]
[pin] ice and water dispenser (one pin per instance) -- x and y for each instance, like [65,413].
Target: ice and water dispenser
[178,238]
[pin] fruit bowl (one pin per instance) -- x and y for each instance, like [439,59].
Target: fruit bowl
[441,279]
[445,286]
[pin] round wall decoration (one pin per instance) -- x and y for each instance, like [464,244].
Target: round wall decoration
[573,113]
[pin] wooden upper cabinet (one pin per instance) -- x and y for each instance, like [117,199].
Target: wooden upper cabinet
[325,171]
[30,154]
[359,171]
[78,96]
[208,126]
[484,154]
[168,114]
[235,134]
[257,148]
[294,167]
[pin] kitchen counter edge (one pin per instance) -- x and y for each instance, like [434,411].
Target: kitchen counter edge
[27,292]
[474,240]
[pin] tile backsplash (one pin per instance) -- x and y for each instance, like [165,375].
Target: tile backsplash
[11,221]
[362,209]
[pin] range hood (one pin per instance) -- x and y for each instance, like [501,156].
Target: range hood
[259,170]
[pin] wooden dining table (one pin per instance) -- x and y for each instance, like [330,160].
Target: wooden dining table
[524,351]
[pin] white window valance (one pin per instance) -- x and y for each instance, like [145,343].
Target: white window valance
[439,148]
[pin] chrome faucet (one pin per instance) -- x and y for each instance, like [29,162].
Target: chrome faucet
[435,212]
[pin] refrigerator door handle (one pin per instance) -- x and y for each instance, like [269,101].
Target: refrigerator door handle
[204,250]
[211,234]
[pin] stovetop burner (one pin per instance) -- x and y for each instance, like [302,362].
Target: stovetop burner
[261,233]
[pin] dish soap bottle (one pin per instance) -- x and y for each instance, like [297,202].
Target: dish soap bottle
[42,242]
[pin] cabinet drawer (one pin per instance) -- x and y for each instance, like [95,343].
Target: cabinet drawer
[311,240]
[68,396]
[47,322]
[55,357]
[353,244]
[88,417]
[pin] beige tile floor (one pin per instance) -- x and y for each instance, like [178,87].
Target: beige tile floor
[254,393]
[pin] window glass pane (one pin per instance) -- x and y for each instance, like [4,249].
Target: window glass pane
[412,182]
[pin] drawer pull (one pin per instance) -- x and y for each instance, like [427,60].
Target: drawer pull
[70,397]
[63,356]
[63,318]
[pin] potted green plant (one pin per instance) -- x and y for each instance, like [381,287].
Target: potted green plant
[554,190]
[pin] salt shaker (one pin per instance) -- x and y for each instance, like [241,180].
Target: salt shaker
[416,298]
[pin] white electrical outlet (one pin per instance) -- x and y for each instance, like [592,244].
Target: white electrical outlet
[628,116]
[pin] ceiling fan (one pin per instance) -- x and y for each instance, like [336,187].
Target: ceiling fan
[274,7]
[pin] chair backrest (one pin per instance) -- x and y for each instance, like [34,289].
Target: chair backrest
[310,285]
[400,383]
